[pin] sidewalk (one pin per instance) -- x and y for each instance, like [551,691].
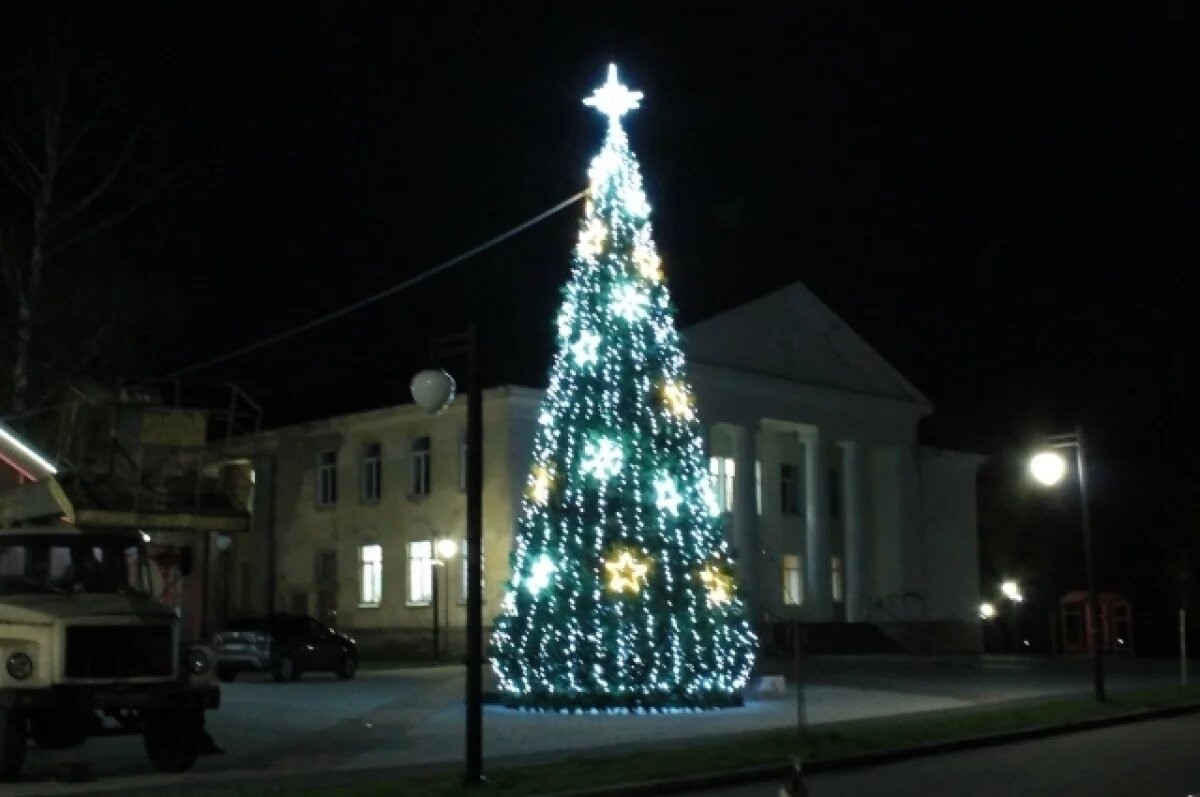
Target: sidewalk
[400,737]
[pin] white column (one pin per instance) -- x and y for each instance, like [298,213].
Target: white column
[818,592]
[745,526]
[854,523]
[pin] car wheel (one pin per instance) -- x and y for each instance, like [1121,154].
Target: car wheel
[172,739]
[12,743]
[285,670]
[348,668]
[227,674]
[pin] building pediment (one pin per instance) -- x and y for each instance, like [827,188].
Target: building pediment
[791,335]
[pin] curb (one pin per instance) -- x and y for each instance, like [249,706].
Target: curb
[223,782]
[768,772]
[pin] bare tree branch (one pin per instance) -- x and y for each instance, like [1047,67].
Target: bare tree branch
[112,220]
[57,111]
[90,123]
[22,159]
[105,183]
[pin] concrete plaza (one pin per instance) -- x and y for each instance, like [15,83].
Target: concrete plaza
[414,718]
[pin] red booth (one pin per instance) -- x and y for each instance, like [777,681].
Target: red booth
[1115,629]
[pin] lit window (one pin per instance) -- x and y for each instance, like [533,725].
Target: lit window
[372,473]
[420,466]
[420,575]
[835,581]
[793,580]
[722,470]
[327,478]
[789,489]
[466,583]
[370,586]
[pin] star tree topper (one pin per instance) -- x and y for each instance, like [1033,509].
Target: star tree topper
[614,99]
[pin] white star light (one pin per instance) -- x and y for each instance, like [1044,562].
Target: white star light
[539,575]
[669,498]
[586,349]
[602,459]
[614,99]
[630,303]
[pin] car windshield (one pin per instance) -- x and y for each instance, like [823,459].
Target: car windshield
[72,564]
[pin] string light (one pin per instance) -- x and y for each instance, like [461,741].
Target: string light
[678,399]
[649,265]
[609,606]
[539,484]
[591,240]
[719,585]
[539,575]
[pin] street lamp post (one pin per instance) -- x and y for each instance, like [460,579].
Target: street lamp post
[443,550]
[1049,468]
[1011,591]
[433,391]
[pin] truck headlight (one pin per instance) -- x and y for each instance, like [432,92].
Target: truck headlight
[19,666]
[198,662]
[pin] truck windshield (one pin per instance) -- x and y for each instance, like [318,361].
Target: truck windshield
[72,564]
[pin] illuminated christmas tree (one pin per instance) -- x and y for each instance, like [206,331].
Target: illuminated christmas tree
[622,591]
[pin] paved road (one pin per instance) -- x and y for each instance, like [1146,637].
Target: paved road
[415,717]
[1147,759]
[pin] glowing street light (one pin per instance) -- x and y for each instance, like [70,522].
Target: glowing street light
[987,611]
[446,548]
[1012,590]
[1048,467]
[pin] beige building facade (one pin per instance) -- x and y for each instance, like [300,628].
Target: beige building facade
[360,519]
[839,518]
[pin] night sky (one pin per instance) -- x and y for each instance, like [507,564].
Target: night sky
[991,200]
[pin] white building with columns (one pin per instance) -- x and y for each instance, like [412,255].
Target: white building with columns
[839,518]
[838,514]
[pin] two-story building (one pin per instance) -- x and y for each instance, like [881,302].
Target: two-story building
[838,516]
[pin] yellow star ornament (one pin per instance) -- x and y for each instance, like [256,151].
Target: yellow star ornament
[626,573]
[718,584]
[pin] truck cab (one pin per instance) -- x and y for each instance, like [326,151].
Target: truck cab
[86,650]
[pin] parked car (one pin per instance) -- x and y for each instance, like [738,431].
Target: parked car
[285,645]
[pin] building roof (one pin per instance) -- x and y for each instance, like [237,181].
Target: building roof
[790,334]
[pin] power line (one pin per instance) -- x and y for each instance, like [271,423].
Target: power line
[383,294]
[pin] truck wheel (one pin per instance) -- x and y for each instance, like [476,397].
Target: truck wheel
[172,739]
[285,670]
[12,743]
[348,668]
